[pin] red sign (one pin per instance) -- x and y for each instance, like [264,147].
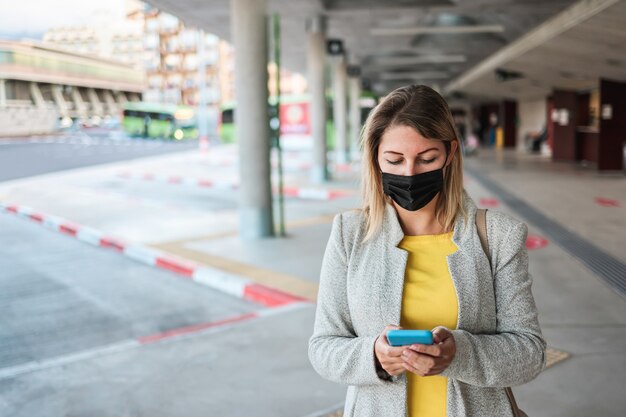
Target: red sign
[607,202]
[489,202]
[535,242]
[294,119]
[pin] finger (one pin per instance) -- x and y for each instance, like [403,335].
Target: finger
[433,373]
[411,368]
[391,351]
[386,330]
[396,370]
[440,334]
[420,361]
[432,350]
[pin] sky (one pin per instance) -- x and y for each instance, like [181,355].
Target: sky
[32,18]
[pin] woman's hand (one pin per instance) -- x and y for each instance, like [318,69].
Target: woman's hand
[389,357]
[428,360]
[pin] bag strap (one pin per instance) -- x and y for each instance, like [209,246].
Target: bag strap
[481,225]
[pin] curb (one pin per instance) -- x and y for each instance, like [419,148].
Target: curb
[298,192]
[211,277]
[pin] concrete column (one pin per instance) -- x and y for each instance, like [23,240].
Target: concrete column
[355,116]
[121,98]
[340,110]
[36,95]
[59,100]
[110,102]
[316,58]
[3,94]
[79,104]
[96,105]
[249,34]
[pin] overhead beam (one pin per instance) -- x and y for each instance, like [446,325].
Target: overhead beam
[553,27]
[416,60]
[428,75]
[437,30]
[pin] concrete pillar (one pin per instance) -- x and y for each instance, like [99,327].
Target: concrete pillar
[3,94]
[316,58]
[340,110]
[249,34]
[36,95]
[110,102]
[79,104]
[355,116]
[59,100]
[96,105]
[121,98]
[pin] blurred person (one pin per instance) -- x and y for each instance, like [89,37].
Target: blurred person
[411,258]
[535,139]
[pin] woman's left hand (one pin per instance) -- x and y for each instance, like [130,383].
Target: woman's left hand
[427,360]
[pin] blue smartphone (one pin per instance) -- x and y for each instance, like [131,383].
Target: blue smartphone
[409,337]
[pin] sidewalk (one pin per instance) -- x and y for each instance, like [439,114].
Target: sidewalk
[581,315]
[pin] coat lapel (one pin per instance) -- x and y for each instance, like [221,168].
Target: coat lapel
[394,265]
[459,263]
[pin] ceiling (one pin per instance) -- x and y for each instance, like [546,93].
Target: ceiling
[397,42]
[571,51]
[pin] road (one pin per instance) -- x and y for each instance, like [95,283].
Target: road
[36,155]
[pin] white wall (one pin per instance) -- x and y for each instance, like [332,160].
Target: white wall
[21,120]
[532,117]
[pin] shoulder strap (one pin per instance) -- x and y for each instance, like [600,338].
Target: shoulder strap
[481,225]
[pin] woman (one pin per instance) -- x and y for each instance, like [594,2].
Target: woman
[411,258]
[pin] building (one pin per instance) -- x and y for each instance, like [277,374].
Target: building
[172,60]
[40,84]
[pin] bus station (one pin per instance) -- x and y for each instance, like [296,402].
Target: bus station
[167,230]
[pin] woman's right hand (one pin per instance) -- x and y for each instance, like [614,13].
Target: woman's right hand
[389,357]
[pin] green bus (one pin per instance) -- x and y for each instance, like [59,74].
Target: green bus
[152,120]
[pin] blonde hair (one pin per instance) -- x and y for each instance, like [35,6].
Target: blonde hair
[423,109]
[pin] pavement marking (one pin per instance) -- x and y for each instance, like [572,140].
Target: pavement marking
[222,280]
[264,277]
[281,281]
[610,269]
[159,338]
[289,191]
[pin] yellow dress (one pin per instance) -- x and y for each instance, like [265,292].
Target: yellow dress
[429,300]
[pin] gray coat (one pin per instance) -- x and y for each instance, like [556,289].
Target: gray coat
[498,338]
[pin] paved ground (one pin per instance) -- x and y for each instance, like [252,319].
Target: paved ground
[68,344]
[27,156]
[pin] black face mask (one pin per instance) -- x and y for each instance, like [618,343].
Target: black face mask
[415,191]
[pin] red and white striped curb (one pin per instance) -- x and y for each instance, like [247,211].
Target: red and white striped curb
[205,275]
[175,179]
[298,192]
[315,193]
